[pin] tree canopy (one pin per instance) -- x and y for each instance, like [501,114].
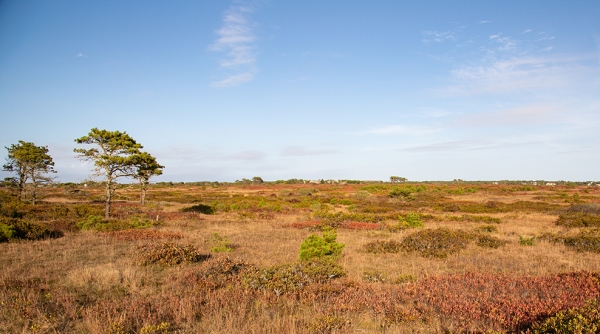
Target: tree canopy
[146,167]
[113,156]
[29,162]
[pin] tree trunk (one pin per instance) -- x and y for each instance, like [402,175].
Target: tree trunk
[22,184]
[33,192]
[108,194]
[143,194]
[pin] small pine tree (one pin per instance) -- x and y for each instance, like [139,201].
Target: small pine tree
[318,247]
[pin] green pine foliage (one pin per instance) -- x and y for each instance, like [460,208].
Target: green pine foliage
[321,246]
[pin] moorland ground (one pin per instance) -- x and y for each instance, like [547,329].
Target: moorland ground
[417,257]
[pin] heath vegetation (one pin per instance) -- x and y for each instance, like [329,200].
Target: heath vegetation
[290,257]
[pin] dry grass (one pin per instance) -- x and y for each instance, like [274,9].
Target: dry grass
[89,281]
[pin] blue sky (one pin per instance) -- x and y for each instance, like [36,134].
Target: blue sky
[217,90]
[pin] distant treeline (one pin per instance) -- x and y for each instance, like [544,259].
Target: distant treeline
[214,184]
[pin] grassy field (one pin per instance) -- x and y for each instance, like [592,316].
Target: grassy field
[416,257]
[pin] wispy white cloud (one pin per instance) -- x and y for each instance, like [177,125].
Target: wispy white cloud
[237,40]
[516,73]
[526,31]
[234,80]
[400,129]
[476,144]
[526,115]
[302,151]
[80,55]
[438,36]
[484,21]
[505,43]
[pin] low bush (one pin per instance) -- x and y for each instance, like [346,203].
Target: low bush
[438,243]
[382,246]
[12,209]
[17,229]
[411,220]
[306,191]
[217,273]
[405,191]
[315,246]
[99,224]
[168,254]
[590,208]
[489,241]
[328,324]
[362,195]
[505,303]
[524,241]
[220,243]
[162,328]
[578,219]
[487,228]
[584,241]
[200,208]
[131,235]
[475,219]
[585,319]
[292,277]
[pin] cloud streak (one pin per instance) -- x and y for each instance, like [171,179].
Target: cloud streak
[237,42]
[514,74]
[400,129]
[468,145]
[522,116]
[299,151]
[438,36]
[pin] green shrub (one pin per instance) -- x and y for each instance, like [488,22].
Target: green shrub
[345,201]
[490,242]
[163,328]
[217,273]
[590,208]
[13,229]
[12,209]
[405,191]
[524,241]
[475,219]
[411,220]
[306,191]
[315,246]
[362,195]
[584,241]
[86,210]
[99,224]
[382,246]
[438,243]
[375,188]
[292,277]
[6,232]
[487,228]
[168,254]
[220,243]
[141,222]
[328,324]
[585,319]
[201,208]
[578,219]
